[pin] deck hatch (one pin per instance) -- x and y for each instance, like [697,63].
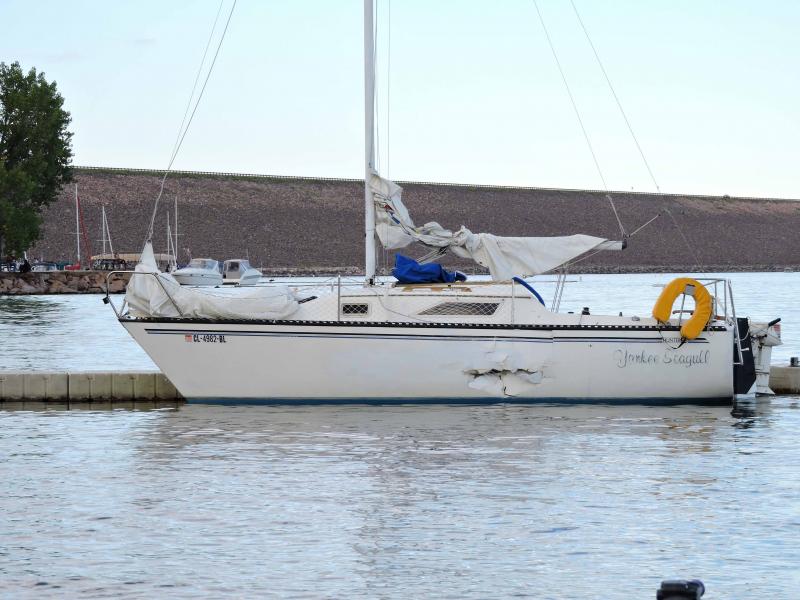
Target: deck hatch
[355,308]
[462,308]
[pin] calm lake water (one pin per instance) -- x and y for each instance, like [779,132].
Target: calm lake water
[392,501]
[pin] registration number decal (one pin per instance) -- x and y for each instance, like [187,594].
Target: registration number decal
[208,338]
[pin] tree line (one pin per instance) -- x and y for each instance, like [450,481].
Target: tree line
[35,154]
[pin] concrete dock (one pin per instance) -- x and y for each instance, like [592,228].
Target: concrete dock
[784,379]
[82,386]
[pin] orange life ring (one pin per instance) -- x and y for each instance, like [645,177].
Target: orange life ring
[703,305]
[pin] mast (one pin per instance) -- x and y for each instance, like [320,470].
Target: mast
[175,245]
[103,230]
[87,247]
[369,142]
[169,240]
[77,226]
[108,231]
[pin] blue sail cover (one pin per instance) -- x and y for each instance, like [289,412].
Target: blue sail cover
[407,270]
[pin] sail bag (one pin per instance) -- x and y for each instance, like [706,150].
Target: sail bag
[505,257]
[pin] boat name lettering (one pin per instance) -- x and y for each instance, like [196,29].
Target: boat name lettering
[671,357]
[213,338]
[625,358]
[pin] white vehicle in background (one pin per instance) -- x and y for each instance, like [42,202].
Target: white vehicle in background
[199,271]
[238,271]
[42,266]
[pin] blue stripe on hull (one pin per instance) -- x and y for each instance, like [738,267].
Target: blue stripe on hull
[389,336]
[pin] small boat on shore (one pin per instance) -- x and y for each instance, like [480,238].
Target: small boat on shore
[238,271]
[199,271]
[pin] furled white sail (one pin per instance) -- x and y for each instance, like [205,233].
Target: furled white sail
[157,294]
[505,257]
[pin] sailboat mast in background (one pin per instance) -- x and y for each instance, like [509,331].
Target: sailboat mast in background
[103,230]
[169,239]
[175,244]
[108,232]
[77,227]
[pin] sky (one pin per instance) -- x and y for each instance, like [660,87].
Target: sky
[468,91]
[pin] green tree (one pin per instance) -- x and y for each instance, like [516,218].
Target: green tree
[35,154]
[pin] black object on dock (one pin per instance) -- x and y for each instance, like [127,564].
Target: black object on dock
[681,589]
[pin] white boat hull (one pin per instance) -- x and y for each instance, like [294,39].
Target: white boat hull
[250,277]
[295,361]
[203,278]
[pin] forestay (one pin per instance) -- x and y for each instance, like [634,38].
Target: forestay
[505,257]
[157,294]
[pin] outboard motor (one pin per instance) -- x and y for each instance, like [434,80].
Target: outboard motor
[744,374]
[764,336]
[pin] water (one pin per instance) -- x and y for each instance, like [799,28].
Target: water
[399,502]
[391,502]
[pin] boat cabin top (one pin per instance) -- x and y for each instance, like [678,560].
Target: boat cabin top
[235,267]
[203,263]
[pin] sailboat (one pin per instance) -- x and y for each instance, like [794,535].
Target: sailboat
[441,340]
[107,260]
[80,231]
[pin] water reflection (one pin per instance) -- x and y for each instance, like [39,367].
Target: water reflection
[65,332]
[36,312]
[455,426]
[368,501]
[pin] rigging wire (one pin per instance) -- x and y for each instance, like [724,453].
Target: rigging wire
[386,265]
[591,150]
[633,137]
[614,94]
[666,211]
[685,241]
[638,229]
[182,135]
[580,119]
[197,78]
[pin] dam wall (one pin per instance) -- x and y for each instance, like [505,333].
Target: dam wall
[294,225]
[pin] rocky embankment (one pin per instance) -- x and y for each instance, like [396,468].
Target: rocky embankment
[293,225]
[61,282]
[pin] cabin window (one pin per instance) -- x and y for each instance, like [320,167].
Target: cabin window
[462,308]
[202,263]
[355,309]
